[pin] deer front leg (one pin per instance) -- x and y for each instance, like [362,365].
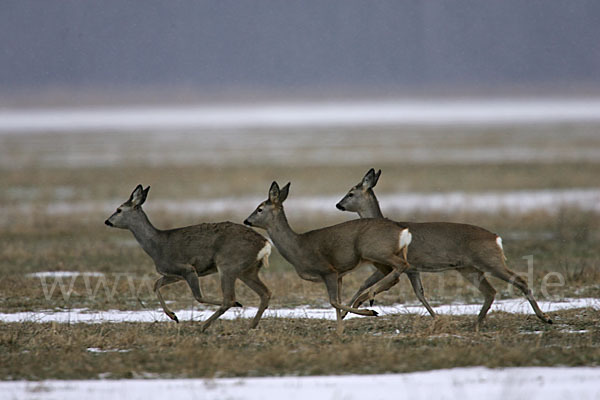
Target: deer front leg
[164,281]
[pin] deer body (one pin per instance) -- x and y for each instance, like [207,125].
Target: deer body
[328,254]
[231,250]
[439,246]
[340,248]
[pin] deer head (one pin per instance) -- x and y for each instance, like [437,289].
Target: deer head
[267,211]
[130,210]
[356,198]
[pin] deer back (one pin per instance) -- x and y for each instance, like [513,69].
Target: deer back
[211,242]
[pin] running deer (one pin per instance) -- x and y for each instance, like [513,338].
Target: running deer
[231,250]
[436,247]
[328,254]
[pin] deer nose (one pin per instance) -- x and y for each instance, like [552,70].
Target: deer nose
[246,222]
[340,207]
[107,222]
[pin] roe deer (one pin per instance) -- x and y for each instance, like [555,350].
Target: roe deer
[328,254]
[439,246]
[231,250]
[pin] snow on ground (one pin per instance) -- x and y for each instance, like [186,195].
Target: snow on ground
[62,274]
[513,202]
[519,306]
[315,114]
[579,383]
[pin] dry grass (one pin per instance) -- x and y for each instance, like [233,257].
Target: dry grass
[295,347]
[564,243]
[200,181]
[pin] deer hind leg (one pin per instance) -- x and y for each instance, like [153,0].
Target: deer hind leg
[164,281]
[191,277]
[399,266]
[502,272]
[417,285]
[228,289]
[477,279]
[384,284]
[338,312]
[332,283]
[252,280]
[370,281]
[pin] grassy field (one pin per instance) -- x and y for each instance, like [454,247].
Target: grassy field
[32,240]
[294,347]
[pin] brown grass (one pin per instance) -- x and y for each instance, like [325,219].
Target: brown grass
[295,347]
[565,243]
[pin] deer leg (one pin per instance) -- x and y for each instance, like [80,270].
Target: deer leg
[384,284]
[252,280]
[417,285]
[477,278]
[379,274]
[338,312]
[509,276]
[191,277]
[228,288]
[164,281]
[331,282]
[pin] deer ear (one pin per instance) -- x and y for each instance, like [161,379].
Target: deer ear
[370,179]
[133,194]
[146,193]
[274,193]
[138,196]
[377,175]
[283,194]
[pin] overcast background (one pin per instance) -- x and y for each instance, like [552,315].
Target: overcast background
[145,51]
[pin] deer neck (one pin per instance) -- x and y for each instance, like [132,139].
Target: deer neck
[284,238]
[145,233]
[371,208]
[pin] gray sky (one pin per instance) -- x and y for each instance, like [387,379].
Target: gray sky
[299,46]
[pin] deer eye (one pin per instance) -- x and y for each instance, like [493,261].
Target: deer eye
[259,210]
[119,210]
[350,194]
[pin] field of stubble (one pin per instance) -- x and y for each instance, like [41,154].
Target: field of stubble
[58,189]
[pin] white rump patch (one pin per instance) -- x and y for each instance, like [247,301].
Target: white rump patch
[405,238]
[264,254]
[499,243]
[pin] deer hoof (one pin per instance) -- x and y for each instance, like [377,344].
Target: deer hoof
[236,304]
[174,317]
[375,313]
[371,302]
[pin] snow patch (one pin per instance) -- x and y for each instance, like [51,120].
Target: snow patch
[314,114]
[62,274]
[531,383]
[99,350]
[513,202]
[518,306]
